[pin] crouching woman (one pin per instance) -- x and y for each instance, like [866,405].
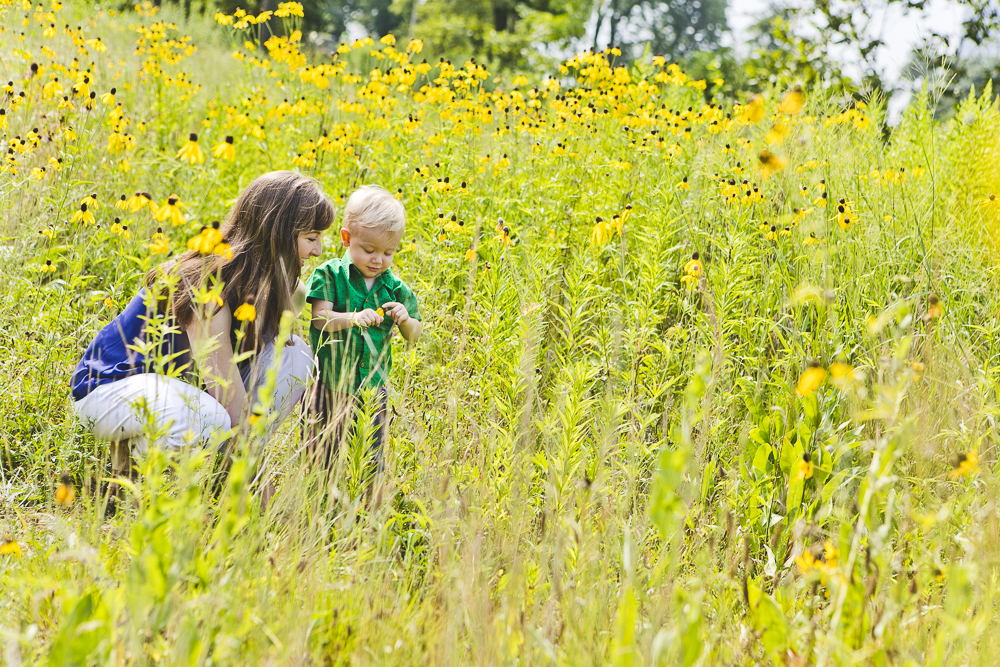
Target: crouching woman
[186,359]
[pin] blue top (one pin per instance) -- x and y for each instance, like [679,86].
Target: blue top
[113,354]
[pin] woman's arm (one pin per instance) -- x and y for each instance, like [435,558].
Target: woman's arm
[213,351]
[299,298]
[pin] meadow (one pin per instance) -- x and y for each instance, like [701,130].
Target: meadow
[704,380]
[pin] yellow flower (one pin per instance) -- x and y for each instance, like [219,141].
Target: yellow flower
[224,250]
[160,244]
[810,380]
[793,102]
[770,163]
[137,201]
[83,215]
[990,202]
[806,562]
[10,547]
[753,112]
[109,97]
[470,254]
[191,151]
[804,470]
[601,233]
[503,234]
[779,130]
[380,312]
[65,493]
[684,185]
[48,267]
[694,267]
[206,240]
[170,211]
[934,307]
[225,150]
[246,312]
[830,554]
[965,465]
[845,216]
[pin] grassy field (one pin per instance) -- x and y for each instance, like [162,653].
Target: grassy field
[702,382]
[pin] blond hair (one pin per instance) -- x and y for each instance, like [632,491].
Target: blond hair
[373,207]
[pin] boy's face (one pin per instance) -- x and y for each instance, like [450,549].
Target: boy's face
[371,250]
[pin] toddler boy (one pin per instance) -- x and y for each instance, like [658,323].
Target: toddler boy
[356,300]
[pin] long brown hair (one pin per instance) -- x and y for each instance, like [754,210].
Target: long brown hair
[262,231]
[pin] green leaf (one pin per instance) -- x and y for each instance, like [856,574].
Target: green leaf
[760,458]
[769,621]
[82,632]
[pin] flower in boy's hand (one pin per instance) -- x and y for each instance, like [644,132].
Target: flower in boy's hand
[366,318]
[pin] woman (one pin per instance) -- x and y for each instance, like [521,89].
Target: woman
[178,366]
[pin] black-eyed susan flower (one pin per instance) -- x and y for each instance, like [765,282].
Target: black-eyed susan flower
[223,250]
[470,254]
[170,211]
[83,215]
[246,311]
[934,307]
[804,469]
[843,375]
[503,234]
[683,185]
[65,493]
[160,243]
[138,200]
[225,150]
[191,151]
[9,547]
[211,297]
[770,163]
[206,240]
[753,112]
[108,98]
[693,270]
[122,203]
[965,464]
[601,233]
[811,379]
[48,267]
[792,102]
[845,216]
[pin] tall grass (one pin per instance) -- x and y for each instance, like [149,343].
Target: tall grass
[591,461]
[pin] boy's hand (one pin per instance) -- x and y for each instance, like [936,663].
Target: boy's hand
[396,311]
[366,318]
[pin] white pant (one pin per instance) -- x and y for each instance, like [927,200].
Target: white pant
[182,412]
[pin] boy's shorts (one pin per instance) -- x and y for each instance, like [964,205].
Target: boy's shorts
[333,416]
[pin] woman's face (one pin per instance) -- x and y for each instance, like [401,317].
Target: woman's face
[310,245]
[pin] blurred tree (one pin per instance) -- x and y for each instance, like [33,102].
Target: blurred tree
[505,34]
[375,16]
[674,29]
[783,56]
[796,39]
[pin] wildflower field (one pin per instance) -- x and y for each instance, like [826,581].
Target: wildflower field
[706,378]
